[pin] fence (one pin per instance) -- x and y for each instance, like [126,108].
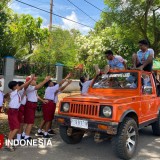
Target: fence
[1,66]
[24,68]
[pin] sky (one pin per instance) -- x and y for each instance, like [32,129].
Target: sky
[65,9]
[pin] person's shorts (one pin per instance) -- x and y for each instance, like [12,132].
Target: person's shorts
[21,114]
[48,111]
[29,112]
[147,68]
[13,119]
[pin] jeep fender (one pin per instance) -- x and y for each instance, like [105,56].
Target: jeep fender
[126,113]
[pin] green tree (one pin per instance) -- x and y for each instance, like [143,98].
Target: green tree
[139,18]
[58,47]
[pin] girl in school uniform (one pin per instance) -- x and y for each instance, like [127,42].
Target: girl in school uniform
[31,104]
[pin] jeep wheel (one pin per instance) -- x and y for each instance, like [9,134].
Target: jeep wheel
[156,126]
[125,142]
[71,137]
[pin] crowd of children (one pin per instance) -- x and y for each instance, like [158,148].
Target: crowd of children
[22,105]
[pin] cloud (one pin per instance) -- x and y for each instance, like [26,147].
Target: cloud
[71,25]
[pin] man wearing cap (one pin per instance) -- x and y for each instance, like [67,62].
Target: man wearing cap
[31,105]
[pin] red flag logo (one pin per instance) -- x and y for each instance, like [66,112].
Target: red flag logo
[1,140]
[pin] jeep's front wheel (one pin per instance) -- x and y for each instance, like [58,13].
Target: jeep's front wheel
[70,135]
[156,126]
[125,142]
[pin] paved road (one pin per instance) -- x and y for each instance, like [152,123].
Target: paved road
[148,149]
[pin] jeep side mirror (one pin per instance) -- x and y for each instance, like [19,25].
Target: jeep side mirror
[147,89]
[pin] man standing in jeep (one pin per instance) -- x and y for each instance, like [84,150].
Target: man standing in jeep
[143,60]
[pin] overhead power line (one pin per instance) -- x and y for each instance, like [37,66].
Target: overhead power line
[53,14]
[94,6]
[81,10]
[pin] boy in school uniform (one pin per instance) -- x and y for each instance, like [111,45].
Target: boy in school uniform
[31,105]
[1,98]
[14,104]
[51,95]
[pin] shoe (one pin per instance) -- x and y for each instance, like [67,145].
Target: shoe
[51,133]
[22,137]
[28,139]
[46,136]
[39,134]
[10,148]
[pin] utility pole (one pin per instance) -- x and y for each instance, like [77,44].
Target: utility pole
[51,13]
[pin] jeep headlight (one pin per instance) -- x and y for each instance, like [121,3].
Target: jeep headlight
[107,111]
[65,107]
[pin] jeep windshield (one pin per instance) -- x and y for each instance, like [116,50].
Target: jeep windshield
[120,80]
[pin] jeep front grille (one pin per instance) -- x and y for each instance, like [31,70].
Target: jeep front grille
[84,109]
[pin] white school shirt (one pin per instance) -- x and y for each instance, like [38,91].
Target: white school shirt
[56,97]
[50,92]
[15,100]
[85,86]
[31,94]
[1,98]
[23,97]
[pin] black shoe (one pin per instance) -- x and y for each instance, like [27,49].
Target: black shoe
[39,134]
[51,133]
[28,139]
[22,137]
[46,136]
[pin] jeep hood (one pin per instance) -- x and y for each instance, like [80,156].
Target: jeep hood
[100,99]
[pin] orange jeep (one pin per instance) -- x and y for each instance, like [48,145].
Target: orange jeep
[117,104]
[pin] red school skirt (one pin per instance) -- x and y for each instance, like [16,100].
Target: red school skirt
[29,112]
[21,113]
[13,119]
[48,111]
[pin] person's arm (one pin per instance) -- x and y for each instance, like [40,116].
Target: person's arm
[125,65]
[25,85]
[149,60]
[40,85]
[42,100]
[68,76]
[62,88]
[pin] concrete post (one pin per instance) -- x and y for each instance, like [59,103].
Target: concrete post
[8,72]
[59,72]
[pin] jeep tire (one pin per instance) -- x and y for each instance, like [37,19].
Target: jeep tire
[125,142]
[156,126]
[74,138]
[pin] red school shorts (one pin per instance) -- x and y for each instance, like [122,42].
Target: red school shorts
[13,119]
[48,111]
[21,114]
[29,112]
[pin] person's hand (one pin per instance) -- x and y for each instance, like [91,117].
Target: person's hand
[45,101]
[69,75]
[140,68]
[32,76]
[69,82]
[48,78]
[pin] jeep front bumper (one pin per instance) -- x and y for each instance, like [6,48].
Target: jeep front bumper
[97,126]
